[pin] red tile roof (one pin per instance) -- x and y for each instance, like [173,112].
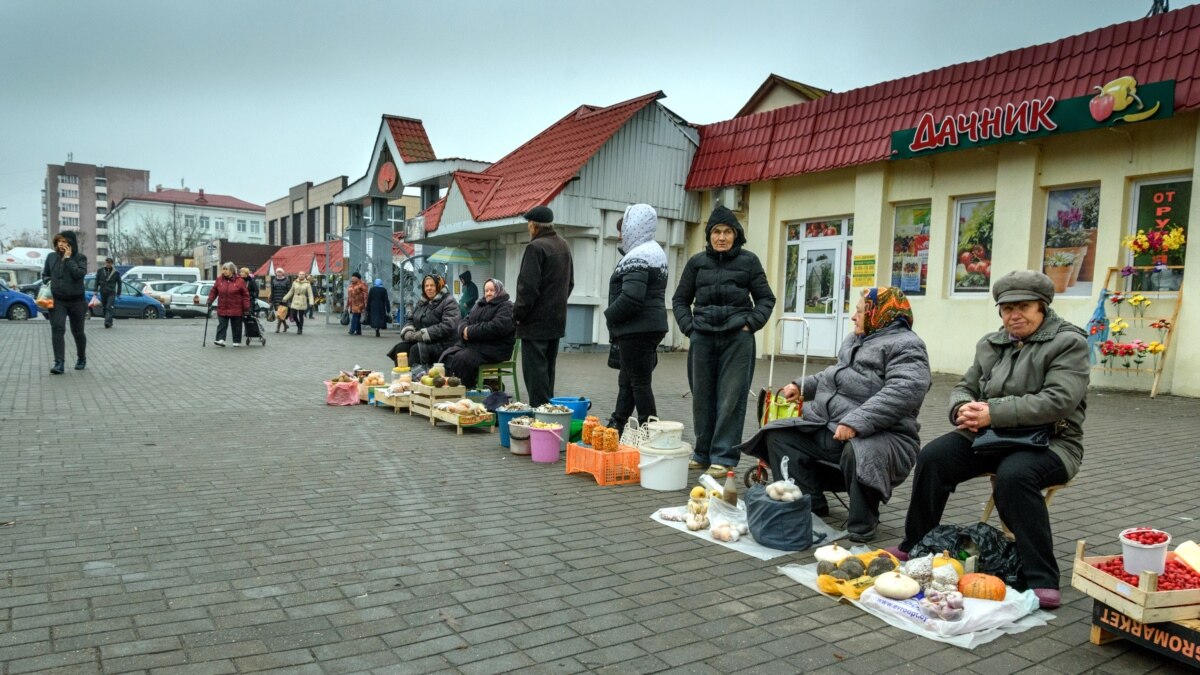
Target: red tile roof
[854,127]
[536,171]
[300,258]
[411,139]
[199,198]
[401,247]
[433,214]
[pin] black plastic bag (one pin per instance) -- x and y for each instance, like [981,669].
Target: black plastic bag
[786,526]
[996,555]
[495,400]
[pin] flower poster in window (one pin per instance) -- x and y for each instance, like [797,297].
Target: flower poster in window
[1160,236]
[1071,219]
[910,249]
[973,222]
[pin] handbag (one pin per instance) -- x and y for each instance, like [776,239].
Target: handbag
[345,317]
[992,441]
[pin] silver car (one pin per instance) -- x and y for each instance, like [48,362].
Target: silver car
[192,300]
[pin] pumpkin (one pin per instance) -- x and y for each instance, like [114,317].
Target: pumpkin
[896,586]
[982,587]
[944,558]
[833,553]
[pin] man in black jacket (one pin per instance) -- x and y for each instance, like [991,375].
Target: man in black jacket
[108,285]
[64,271]
[545,282]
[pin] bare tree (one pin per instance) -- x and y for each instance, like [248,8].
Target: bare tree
[159,237]
[24,238]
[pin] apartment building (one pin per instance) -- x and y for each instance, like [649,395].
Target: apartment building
[78,197]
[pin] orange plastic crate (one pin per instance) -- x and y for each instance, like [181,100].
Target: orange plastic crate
[608,468]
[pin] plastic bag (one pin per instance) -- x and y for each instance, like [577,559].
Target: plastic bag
[281,313]
[776,407]
[94,302]
[996,555]
[786,526]
[978,615]
[341,393]
[720,511]
[495,400]
[45,298]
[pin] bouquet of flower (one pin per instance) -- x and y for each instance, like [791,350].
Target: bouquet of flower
[1139,303]
[1157,242]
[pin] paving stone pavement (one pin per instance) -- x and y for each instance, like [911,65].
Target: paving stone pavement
[180,509]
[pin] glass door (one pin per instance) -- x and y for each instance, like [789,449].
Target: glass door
[817,286]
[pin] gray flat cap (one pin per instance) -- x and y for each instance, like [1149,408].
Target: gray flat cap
[540,214]
[1020,285]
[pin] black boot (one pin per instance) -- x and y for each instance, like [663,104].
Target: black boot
[81,364]
[57,368]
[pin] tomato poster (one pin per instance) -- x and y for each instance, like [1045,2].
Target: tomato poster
[910,248]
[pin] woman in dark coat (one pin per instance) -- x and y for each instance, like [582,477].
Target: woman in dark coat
[487,335]
[637,313]
[431,325]
[859,414]
[64,271]
[721,300]
[377,307]
[280,285]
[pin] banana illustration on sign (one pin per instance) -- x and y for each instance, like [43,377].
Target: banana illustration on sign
[1116,96]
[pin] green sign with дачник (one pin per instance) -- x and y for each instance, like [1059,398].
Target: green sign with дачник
[1121,100]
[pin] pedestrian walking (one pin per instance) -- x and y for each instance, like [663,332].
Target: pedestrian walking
[721,300]
[544,284]
[378,306]
[432,324]
[470,294]
[233,303]
[279,288]
[299,297]
[636,314]
[356,302]
[63,272]
[251,285]
[108,285]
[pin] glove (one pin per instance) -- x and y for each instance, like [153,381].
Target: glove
[423,335]
[408,334]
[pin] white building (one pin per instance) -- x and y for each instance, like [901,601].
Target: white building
[211,216]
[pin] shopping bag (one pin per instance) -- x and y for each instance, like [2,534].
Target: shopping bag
[773,406]
[281,313]
[786,526]
[45,298]
[95,301]
[341,393]
[345,318]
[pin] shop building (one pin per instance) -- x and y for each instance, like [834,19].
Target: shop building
[939,183]
[306,214]
[587,167]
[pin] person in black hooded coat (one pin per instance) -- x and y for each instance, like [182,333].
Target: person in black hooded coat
[64,271]
[378,306]
[721,300]
[431,324]
[487,335]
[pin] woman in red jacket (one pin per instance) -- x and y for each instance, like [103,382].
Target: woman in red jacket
[233,303]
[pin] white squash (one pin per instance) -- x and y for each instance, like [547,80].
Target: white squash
[896,586]
[831,553]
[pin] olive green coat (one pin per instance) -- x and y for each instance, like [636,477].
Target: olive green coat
[1038,381]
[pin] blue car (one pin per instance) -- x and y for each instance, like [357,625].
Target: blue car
[15,305]
[130,303]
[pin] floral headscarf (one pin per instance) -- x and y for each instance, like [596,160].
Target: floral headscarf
[884,305]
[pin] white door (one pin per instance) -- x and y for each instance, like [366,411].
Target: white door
[817,286]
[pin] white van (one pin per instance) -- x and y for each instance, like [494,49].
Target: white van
[19,274]
[155,273]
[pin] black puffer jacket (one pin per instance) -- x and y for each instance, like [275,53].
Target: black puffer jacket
[490,329]
[66,276]
[279,288]
[439,317]
[719,292]
[545,282]
[637,289]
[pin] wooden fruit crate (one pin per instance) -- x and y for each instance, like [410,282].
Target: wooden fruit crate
[396,403]
[1142,603]
[423,398]
[487,421]
[1179,640]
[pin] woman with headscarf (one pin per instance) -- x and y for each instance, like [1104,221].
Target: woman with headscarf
[431,324]
[233,303]
[487,335]
[721,300]
[279,289]
[300,296]
[1033,372]
[64,271]
[637,313]
[859,415]
[377,307]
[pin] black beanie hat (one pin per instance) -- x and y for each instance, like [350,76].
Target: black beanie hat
[723,216]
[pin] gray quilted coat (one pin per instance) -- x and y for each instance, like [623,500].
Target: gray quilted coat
[876,388]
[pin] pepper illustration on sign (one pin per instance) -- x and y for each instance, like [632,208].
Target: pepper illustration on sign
[1117,96]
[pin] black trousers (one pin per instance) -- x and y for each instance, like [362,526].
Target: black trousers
[638,357]
[298,317]
[538,358]
[806,450]
[1020,478]
[106,301]
[223,323]
[75,310]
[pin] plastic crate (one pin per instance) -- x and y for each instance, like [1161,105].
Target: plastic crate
[608,468]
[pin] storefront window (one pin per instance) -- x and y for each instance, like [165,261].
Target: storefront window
[823,228]
[1072,216]
[1159,232]
[974,217]
[910,248]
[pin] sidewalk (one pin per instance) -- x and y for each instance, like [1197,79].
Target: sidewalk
[185,509]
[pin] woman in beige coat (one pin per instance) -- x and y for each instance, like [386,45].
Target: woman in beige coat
[299,298]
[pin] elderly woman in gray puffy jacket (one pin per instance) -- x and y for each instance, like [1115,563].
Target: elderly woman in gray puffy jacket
[859,414]
[432,325]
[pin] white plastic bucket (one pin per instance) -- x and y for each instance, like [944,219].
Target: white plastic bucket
[1138,557]
[663,434]
[664,468]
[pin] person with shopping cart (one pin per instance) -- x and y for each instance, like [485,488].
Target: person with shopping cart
[858,430]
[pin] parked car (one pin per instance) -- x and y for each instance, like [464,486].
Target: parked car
[132,302]
[147,287]
[15,305]
[192,300]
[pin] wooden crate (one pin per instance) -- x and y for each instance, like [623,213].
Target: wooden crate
[487,421]
[423,398]
[1179,640]
[396,403]
[1142,603]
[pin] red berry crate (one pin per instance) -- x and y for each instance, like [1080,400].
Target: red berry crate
[608,468]
[1144,602]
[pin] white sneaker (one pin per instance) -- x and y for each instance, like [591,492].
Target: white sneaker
[237,344]
[219,343]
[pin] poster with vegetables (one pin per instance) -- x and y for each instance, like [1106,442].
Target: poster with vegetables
[791,278]
[973,251]
[1072,216]
[910,248]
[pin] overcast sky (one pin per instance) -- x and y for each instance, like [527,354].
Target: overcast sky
[249,98]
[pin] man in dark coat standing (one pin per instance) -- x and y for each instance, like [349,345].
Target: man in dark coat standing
[545,282]
[108,284]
